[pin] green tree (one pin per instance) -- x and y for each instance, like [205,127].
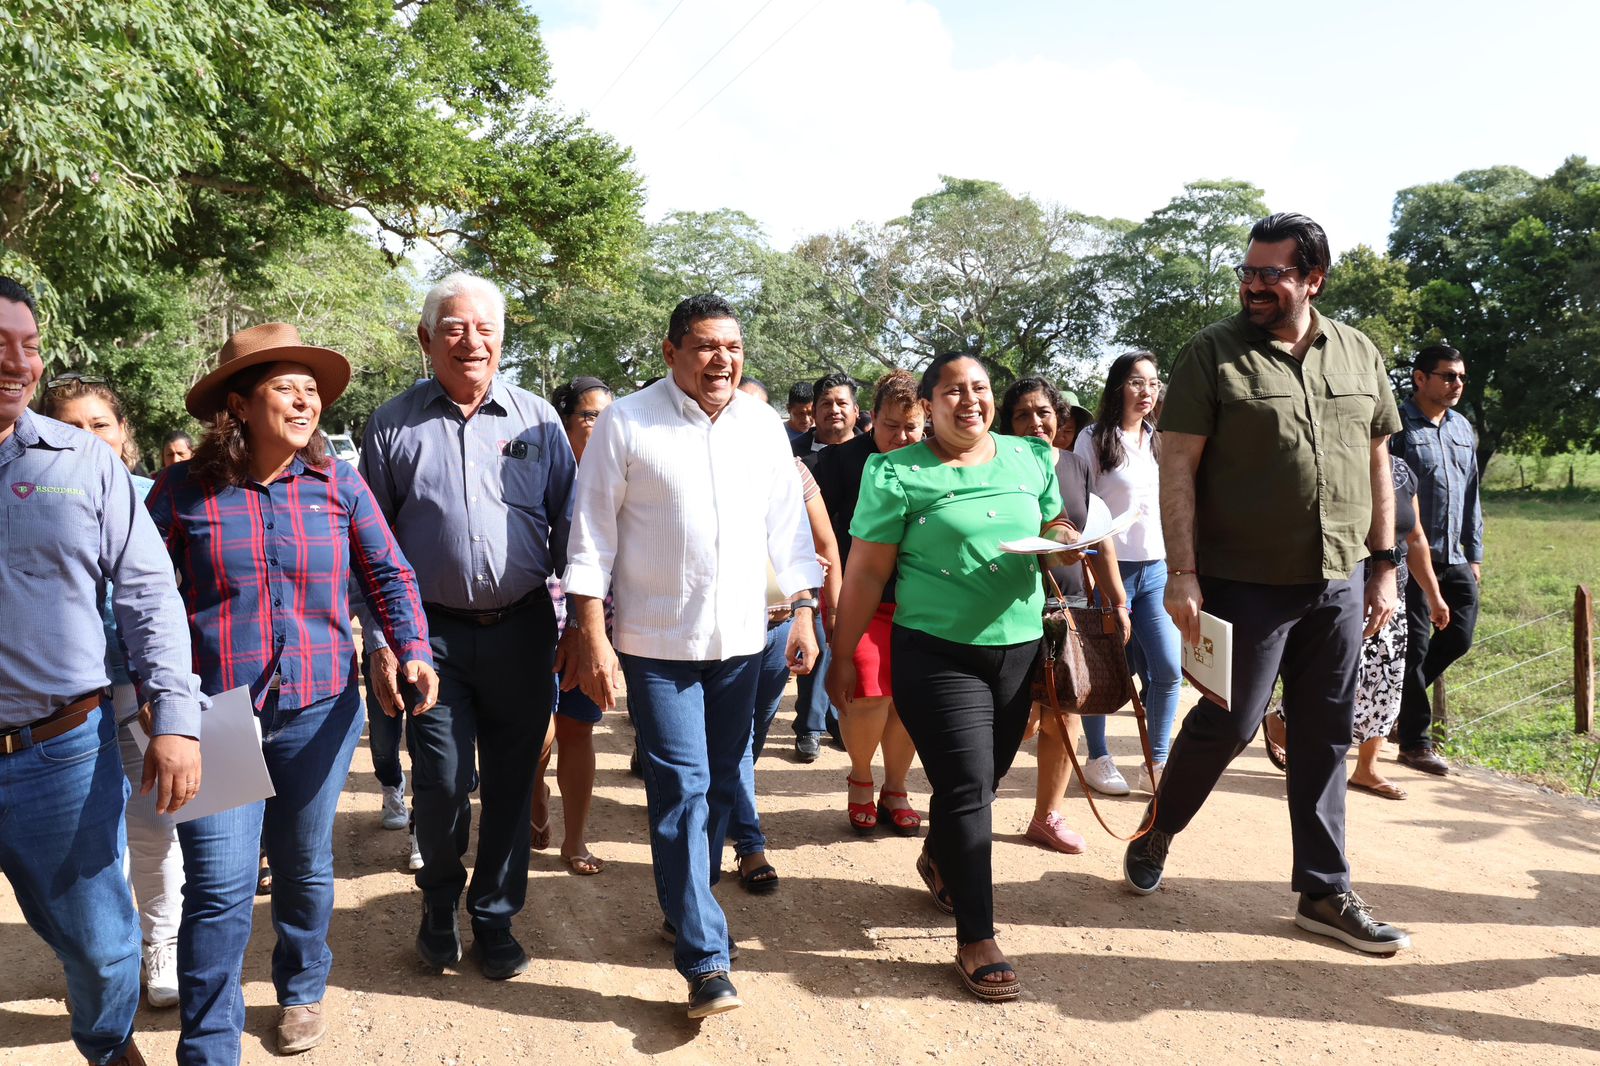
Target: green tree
[1372,292]
[1172,274]
[1505,266]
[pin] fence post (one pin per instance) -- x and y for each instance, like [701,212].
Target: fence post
[1441,707]
[1583,660]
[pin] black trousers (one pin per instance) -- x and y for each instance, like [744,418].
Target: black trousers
[495,695]
[966,708]
[1311,636]
[1429,652]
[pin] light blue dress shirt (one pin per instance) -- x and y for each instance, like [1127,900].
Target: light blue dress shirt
[1444,459]
[72,522]
[481,506]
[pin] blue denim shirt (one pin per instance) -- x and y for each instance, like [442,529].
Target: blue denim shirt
[71,522]
[480,506]
[1444,458]
[116,655]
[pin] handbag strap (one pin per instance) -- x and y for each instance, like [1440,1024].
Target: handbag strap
[1069,742]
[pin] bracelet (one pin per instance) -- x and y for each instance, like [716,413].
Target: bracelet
[1180,573]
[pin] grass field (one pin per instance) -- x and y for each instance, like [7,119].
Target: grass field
[1542,540]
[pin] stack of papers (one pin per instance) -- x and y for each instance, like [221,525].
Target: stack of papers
[233,771]
[1098,526]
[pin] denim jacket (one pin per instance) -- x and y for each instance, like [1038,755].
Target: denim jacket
[1444,458]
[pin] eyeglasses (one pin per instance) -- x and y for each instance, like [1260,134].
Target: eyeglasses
[72,377]
[586,417]
[1268,275]
[1449,377]
[1145,384]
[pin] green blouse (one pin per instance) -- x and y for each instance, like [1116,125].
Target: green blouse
[955,582]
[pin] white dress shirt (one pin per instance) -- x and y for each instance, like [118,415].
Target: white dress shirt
[678,515]
[1136,483]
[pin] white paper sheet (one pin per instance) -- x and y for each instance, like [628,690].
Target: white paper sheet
[232,769]
[1097,526]
[1209,665]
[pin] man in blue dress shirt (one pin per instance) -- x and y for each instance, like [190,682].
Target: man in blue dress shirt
[72,522]
[475,478]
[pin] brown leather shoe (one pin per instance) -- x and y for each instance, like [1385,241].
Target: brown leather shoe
[130,1056]
[1425,759]
[300,1028]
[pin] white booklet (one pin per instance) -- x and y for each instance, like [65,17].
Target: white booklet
[1097,526]
[233,771]
[1209,664]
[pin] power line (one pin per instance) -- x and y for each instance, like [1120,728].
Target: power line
[640,52]
[753,62]
[708,62]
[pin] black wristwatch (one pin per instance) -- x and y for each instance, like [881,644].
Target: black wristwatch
[1383,555]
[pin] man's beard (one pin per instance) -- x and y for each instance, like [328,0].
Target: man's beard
[1282,312]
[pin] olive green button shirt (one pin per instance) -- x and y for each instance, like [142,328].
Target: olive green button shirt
[1283,493]
[955,583]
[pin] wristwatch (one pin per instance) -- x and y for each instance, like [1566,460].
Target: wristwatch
[1383,555]
[811,602]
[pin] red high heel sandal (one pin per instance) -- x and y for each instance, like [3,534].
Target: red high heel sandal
[863,816]
[905,820]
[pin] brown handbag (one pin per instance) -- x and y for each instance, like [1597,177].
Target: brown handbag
[1083,669]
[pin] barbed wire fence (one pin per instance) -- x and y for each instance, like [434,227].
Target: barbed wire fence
[1550,659]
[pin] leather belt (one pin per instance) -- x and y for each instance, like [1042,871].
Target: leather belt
[494,617]
[65,720]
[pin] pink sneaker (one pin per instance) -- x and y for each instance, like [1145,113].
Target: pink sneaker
[1053,832]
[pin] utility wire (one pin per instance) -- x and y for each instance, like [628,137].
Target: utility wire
[640,52]
[708,62]
[753,62]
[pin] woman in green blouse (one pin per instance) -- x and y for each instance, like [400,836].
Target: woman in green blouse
[966,632]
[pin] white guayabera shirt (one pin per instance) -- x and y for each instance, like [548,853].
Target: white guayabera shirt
[677,516]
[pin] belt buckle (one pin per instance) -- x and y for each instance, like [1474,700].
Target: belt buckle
[11,743]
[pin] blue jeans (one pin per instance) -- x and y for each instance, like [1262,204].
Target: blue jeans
[744,824]
[694,723]
[308,752]
[812,711]
[1154,654]
[383,735]
[61,842]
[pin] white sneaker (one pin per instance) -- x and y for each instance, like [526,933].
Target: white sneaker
[394,806]
[161,973]
[1104,777]
[415,862]
[1145,783]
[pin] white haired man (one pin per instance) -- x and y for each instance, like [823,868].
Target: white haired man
[475,477]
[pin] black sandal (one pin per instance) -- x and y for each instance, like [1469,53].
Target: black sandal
[264,880]
[990,991]
[760,881]
[941,899]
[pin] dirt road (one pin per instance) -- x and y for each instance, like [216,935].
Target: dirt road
[850,963]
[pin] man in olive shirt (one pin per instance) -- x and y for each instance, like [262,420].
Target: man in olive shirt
[1275,484]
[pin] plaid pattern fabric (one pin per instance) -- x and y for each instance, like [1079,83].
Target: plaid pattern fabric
[266,570]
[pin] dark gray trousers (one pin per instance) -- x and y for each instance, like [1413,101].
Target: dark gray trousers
[1311,636]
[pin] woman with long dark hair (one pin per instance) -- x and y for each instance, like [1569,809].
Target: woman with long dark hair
[1122,448]
[967,628]
[579,403]
[265,531]
[1030,408]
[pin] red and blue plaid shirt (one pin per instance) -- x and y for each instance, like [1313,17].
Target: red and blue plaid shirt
[267,568]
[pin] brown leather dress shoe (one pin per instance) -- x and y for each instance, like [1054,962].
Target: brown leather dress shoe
[130,1056]
[300,1028]
[1425,759]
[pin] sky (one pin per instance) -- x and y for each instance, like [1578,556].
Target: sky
[817,114]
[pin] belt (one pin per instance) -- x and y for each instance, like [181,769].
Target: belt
[65,720]
[494,617]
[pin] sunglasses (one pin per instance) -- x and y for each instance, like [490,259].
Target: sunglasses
[1449,377]
[72,378]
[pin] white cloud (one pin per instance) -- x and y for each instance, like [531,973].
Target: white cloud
[860,107]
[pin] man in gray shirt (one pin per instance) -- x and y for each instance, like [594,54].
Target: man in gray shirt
[72,523]
[475,478]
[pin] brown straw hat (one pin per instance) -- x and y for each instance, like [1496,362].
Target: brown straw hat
[270,342]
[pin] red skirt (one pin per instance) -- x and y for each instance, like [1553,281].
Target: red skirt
[872,656]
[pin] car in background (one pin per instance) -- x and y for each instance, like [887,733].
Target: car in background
[343,447]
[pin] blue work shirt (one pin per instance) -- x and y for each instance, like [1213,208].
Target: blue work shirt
[72,522]
[482,505]
[1444,458]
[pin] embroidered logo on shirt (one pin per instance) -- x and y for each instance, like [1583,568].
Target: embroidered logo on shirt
[24,489]
[316,507]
